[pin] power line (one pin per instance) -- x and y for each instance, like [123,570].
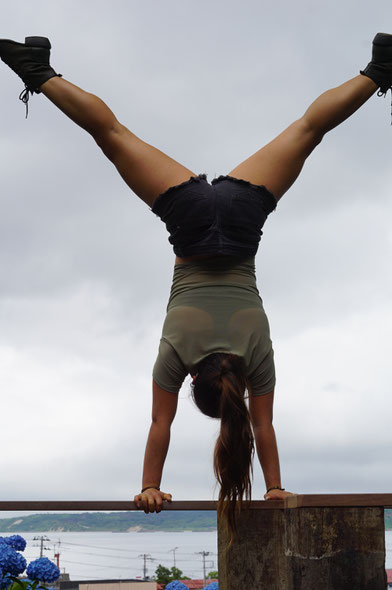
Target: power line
[128,550]
[96,547]
[106,555]
[120,548]
[96,565]
[179,558]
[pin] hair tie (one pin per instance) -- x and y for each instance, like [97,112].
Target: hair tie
[225,367]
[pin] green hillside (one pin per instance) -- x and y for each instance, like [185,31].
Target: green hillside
[197,520]
[388,519]
[114,521]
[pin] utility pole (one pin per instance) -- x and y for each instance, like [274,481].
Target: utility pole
[57,555]
[42,539]
[57,558]
[204,554]
[174,554]
[146,556]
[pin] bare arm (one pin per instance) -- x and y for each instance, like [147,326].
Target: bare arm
[163,411]
[261,411]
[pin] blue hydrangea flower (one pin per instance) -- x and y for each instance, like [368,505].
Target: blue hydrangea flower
[16,542]
[176,585]
[7,581]
[43,569]
[212,586]
[11,562]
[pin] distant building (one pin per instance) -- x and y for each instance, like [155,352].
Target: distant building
[389,578]
[131,584]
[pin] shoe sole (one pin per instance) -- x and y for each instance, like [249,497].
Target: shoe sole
[383,39]
[382,49]
[42,42]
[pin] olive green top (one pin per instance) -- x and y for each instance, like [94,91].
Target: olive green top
[215,306]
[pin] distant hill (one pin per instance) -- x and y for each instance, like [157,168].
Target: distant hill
[388,519]
[194,520]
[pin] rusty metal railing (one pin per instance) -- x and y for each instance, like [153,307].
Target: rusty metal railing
[296,501]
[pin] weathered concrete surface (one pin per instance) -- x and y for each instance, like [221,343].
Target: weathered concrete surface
[256,555]
[303,549]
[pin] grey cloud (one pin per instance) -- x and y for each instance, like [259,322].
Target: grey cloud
[86,268]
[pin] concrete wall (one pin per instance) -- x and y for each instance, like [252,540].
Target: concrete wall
[304,549]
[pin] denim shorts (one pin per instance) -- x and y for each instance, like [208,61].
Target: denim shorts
[224,217]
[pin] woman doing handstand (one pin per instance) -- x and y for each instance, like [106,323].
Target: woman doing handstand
[215,329]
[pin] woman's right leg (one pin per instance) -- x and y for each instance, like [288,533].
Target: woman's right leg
[145,169]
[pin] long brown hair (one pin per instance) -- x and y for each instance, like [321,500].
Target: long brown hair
[219,392]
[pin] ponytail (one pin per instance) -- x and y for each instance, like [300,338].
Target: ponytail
[218,391]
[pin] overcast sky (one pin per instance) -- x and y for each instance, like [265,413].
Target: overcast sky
[86,267]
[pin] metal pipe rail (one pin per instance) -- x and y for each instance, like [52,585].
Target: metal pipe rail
[297,501]
[336,540]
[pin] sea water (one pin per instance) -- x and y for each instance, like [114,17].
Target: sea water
[103,555]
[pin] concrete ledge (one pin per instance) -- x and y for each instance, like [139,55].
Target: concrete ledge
[325,500]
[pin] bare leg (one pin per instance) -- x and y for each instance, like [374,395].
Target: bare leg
[278,164]
[146,170]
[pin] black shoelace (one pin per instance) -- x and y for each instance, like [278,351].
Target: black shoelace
[24,97]
[384,93]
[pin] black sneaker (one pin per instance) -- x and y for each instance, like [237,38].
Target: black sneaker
[380,68]
[30,60]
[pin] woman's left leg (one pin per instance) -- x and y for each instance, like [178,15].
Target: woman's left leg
[278,164]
